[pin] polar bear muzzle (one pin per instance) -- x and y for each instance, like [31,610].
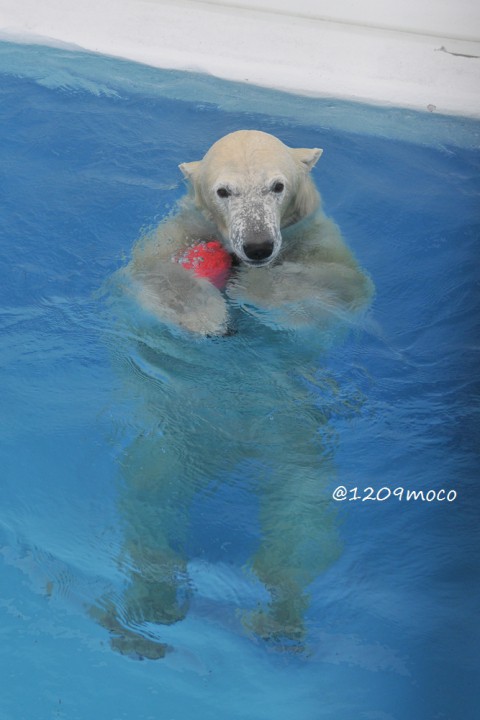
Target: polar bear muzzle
[253,229]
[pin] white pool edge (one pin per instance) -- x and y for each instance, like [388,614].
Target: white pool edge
[303,55]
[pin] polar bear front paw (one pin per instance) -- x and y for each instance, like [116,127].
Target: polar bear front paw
[175,295]
[209,318]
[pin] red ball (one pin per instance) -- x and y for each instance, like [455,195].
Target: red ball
[208,260]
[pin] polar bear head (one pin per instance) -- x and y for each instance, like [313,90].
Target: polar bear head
[251,186]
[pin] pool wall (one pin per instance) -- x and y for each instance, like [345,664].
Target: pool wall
[423,55]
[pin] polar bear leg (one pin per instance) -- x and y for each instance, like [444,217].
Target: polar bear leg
[154,504]
[299,541]
[176,295]
[154,501]
[295,294]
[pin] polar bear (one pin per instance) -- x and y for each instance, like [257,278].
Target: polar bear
[245,408]
[257,196]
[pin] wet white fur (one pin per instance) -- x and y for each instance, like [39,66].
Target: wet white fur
[311,276]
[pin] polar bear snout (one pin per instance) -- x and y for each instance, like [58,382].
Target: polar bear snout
[259,252]
[257,247]
[253,231]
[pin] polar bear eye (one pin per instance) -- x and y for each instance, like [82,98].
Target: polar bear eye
[278,187]
[222,192]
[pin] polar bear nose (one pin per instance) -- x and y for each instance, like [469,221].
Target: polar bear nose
[258,251]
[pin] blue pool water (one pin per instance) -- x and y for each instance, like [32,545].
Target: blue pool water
[89,149]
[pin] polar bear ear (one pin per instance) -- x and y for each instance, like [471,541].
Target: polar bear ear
[307,156]
[188,169]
